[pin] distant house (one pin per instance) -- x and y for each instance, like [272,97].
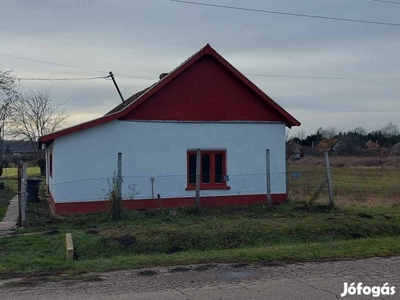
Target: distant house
[395,150]
[370,145]
[205,104]
[293,151]
[331,144]
[19,148]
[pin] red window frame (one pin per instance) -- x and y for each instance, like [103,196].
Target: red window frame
[212,184]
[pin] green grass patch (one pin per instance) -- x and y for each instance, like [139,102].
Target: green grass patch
[248,234]
[13,172]
[55,262]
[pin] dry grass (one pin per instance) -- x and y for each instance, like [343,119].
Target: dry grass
[351,161]
[356,181]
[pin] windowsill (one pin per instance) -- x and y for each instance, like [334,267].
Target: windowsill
[209,187]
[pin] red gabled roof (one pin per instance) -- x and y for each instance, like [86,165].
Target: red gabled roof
[138,98]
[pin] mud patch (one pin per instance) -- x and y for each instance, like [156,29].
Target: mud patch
[52,231]
[204,268]
[241,265]
[127,240]
[147,273]
[179,270]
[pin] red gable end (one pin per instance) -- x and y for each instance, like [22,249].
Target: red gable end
[206,91]
[204,88]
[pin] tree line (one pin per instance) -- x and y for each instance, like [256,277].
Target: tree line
[26,114]
[386,137]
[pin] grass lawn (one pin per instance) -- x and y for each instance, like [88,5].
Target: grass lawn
[235,234]
[13,172]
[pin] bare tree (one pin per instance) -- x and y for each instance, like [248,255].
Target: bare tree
[389,130]
[7,96]
[329,134]
[288,136]
[36,114]
[360,131]
[301,135]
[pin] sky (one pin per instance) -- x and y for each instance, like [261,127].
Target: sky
[144,38]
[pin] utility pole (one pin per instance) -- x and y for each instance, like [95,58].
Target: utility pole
[116,86]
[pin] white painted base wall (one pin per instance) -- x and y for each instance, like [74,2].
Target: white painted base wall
[83,162]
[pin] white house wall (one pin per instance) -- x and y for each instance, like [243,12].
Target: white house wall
[84,162]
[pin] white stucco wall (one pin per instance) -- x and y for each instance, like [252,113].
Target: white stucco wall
[83,161]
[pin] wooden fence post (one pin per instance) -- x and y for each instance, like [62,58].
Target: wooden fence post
[329,179]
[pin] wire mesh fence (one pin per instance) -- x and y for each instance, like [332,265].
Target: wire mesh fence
[378,186]
[351,186]
[167,186]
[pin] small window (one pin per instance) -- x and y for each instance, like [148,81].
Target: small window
[51,163]
[212,169]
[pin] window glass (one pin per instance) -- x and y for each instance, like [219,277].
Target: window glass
[206,168]
[219,168]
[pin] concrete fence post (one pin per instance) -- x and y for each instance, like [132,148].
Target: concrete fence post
[268,169]
[198,179]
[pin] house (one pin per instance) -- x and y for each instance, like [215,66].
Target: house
[293,151]
[330,144]
[370,145]
[395,149]
[205,103]
[19,148]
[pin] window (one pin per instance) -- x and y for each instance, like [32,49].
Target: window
[51,163]
[212,170]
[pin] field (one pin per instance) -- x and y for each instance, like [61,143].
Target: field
[356,181]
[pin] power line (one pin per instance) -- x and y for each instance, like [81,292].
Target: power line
[49,79]
[322,77]
[73,67]
[386,1]
[247,74]
[286,13]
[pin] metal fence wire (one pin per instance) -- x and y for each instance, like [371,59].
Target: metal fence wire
[351,186]
[167,186]
[378,186]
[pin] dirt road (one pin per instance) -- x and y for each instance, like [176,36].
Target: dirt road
[222,281]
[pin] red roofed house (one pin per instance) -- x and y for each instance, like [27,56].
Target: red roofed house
[204,104]
[370,145]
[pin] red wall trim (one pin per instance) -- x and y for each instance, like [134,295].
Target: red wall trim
[101,206]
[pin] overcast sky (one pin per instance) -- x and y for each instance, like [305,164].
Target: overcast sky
[144,38]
